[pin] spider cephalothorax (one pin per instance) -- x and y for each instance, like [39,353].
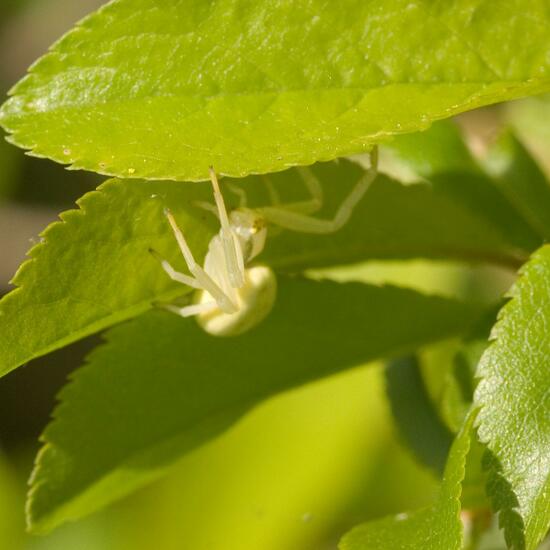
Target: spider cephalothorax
[251,230]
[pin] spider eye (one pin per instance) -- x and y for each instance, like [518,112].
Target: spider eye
[258,225]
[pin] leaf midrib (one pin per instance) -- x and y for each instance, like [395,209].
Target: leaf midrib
[509,261]
[214,97]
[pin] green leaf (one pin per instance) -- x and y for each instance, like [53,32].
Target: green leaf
[423,422]
[415,416]
[435,528]
[522,181]
[447,372]
[474,496]
[458,390]
[153,89]
[449,369]
[514,421]
[180,387]
[94,270]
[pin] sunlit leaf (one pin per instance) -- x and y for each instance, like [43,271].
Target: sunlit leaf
[160,89]
[514,396]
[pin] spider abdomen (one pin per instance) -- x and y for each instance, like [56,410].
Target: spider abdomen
[255,299]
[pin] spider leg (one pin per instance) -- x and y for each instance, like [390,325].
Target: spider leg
[193,309]
[208,206]
[232,251]
[274,197]
[299,222]
[313,186]
[240,192]
[202,278]
[172,273]
[315,190]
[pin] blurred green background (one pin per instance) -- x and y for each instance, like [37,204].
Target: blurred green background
[294,474]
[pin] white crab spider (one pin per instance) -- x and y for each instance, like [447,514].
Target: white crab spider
[231,298]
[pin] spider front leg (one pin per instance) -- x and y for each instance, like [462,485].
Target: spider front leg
[240,192]
[193,309]
[201,278]
[289,218]
[172,273]
[231,248]
[235,189]
[309,206]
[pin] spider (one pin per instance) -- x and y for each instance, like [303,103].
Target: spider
[230,297]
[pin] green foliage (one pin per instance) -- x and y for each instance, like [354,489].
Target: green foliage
[84,276]
[458,390]
[93,269]
[179,386]
[435,528]
[514,399]
[456,215]
[150,91]
[430,396]
[453,367]
[147,89]
[448,373]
